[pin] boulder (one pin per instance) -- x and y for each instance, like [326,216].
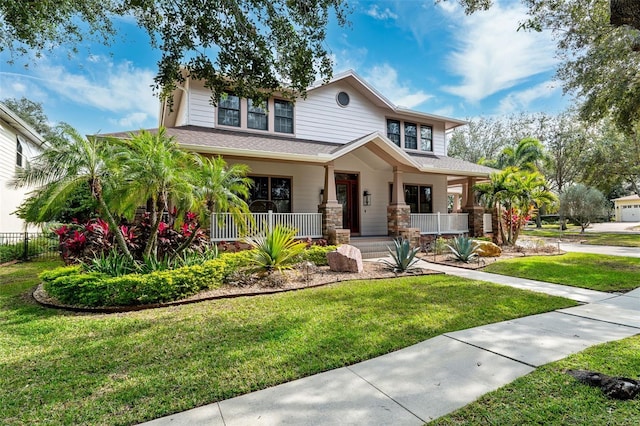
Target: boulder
[345,258]
[488,249]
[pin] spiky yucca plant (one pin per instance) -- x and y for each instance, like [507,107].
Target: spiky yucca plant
[276,250]
[403,256]
[463,248]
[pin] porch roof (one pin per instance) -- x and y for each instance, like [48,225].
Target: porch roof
[258,145]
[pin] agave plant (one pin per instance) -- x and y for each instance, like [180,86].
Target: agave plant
[276,250]
[463,248]
[404,257]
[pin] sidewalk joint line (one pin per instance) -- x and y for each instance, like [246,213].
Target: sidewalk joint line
[490,351]
[221,415]
[388,396]
[597,319]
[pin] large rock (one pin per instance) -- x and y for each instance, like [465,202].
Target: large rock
[345,258]
[488,249]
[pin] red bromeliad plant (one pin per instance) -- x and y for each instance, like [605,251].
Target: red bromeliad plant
[83,242]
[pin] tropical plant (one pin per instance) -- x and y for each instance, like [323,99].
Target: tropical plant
[463,248]
[221,188]
[68,163]
[276,250]
[404,257]
[517,192]
[155,171]
[527,155]
[112,264]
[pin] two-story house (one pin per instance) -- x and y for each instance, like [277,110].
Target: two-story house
[343,160]
[19,143]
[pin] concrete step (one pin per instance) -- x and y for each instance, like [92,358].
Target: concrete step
[372,247]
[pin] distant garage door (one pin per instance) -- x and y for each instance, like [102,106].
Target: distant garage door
[630,213]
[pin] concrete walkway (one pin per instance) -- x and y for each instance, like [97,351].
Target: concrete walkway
[432,378]
[611,250]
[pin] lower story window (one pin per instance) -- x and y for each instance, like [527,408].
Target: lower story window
[419,198]
[275,192]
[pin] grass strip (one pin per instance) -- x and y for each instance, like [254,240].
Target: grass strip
[63,368]
[549,396]
[592,271]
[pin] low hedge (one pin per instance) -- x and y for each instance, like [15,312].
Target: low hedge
[72,286]
[317,254]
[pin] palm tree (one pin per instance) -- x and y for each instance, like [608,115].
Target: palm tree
[156,172]
[68,163]
[223,189]
[515,193]
[527,155]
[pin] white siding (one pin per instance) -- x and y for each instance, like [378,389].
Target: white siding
[319,117]
[11,198]
[201,112]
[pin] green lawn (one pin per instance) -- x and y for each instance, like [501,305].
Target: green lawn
[599,239]
[548,396]
[592,271]
[64,368]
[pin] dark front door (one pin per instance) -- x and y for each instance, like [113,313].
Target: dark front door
[347,194]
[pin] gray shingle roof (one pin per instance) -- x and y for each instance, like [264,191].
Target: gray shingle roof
[218,140]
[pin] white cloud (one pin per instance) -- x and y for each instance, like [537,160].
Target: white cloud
[385,79]
[521,101]
[448,6]
[383,15]
[492,56]
[131,121]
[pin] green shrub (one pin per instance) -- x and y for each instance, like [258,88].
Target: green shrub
[317,254]
[70,286]
[277,250]
[113,264]
[403,256]
[463,248]
[52,274]
[440,245]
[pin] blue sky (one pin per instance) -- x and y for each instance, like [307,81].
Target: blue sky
[423,56]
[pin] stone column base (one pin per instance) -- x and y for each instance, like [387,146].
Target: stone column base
[339,236]
[411,234]
[398,217]
[476,213]
[331,218]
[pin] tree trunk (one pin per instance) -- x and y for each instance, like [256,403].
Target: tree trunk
[122,244]
[625,12]
[152,244]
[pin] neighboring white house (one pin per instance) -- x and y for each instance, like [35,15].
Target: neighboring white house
[344,155]
[627,208]
[19,143]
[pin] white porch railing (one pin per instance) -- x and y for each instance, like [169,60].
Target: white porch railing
[440,223]
[487,226]
[307,224]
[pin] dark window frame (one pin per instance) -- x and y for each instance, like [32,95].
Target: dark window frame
[223,106]
[19,153]
[411,138]
[423,139]
[279,119]
[393,136]
[270,190]
[257,111]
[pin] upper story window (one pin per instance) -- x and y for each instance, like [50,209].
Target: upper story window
[20,161]
[426,138]
[257,115]
[393,131]
[229,110]
[283,116]
[410,136]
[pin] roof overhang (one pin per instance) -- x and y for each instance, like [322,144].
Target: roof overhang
[19,124]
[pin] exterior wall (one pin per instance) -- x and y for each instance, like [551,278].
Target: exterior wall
[630,208]
[306,181]
[11,198]
[374,176]
[319,117]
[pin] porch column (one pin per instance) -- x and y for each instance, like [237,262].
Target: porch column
[330,208]
[475,212]
[398,213]
[456,202]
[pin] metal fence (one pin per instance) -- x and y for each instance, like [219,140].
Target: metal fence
[27,245]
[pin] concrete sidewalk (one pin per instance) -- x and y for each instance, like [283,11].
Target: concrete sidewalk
[432,378]
[610,250]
